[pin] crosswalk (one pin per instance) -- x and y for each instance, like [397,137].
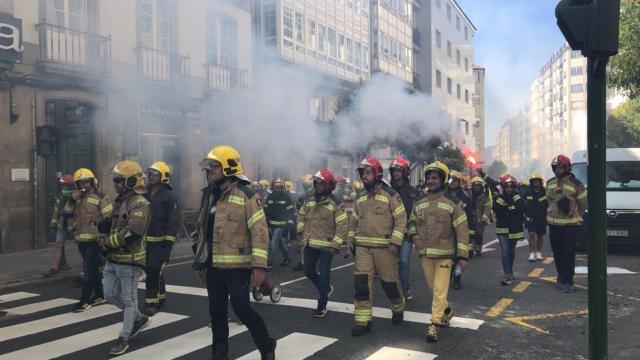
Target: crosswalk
[50,330]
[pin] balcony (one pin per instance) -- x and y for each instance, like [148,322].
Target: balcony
[69,50]
[416,39]
[163,66]
[225,78]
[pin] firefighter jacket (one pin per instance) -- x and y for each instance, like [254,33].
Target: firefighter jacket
[239,237]
[378,218]
[279,209]
[439,220]
[408,194]
[58,221]
[462,195]
[536,207]
[509,215]
[481,206]
[84,215]
[165,216]
[322,223]
[349,199]
[302,198]
[575,191]
[129,222]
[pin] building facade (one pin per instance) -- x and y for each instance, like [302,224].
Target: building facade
[102,81]
[478,105]
[392,38]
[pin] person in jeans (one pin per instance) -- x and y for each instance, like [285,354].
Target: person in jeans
[125,247]
[59,225]
[279,210]
[322,228]
[509,208]
[86,208]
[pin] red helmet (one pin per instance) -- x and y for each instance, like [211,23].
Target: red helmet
[340,179]
[400,163]
[506,178]
[66,180]
[326,177]
[372,162]
[561,160]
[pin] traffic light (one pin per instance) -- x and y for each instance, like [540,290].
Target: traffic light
[590,25]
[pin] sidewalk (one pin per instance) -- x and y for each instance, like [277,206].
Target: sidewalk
[26,267]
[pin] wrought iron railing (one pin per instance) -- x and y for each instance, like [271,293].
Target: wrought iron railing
[224,78]
[163,66]
[72,48]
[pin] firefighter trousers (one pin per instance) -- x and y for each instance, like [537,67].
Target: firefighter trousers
[158,255]
[437,272]
[380,261]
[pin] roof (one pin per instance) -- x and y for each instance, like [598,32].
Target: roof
[455,3]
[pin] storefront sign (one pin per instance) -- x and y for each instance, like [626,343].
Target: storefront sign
[19,174]
[11,46]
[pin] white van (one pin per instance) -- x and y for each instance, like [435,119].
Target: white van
[623,192]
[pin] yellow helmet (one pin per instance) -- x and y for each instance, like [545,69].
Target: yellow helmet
[264,183]
[162,168]
[477,180]
[288,185]
[84,174]
[457,174]
[307,182]
[228,157]
[438,167]
[536,175]
[132,174]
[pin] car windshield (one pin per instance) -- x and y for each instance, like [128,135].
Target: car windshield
[621,175]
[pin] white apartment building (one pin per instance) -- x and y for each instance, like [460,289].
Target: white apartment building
[478,104]
[444,59]
[392,38]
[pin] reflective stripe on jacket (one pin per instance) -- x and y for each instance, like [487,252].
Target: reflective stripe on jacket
[322,223]
[129,223]
[573,189]
[509,215]
[164,216]
[84,215]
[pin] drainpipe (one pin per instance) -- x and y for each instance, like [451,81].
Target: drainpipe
[35,171]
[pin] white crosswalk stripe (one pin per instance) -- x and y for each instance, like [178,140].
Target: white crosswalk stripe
[391,353]
[16,296]
[85,340]
[40,306]
[296,346]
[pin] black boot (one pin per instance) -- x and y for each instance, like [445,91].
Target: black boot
[359,330]
[267,351]
[220,352]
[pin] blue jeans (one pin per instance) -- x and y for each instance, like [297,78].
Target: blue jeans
[277,242]
[92,285]
[320,278]
[405,262]
[121,289]
[508,248]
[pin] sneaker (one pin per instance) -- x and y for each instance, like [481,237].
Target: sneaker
[506,281]
[396,319]
[457,283]
[98,301]
[49,273]
[298,267]
[64,268]
[119,347]
[532,257]
[408,295]
[139,325]
[359,330]
[512,278]
[320,312]
[330,291]
[81,307]
[432,333]
[286,262]
[150,310]
[567,288]
[539,256]
[446,317]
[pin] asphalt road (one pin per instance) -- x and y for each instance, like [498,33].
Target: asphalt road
[532,319]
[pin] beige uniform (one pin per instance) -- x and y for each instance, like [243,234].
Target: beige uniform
[322,224]
[86,213]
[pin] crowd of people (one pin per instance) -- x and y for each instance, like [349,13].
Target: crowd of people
[242,225]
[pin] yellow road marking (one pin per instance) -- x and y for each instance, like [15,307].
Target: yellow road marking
[536,272]
[522,320]
[499,307]
[548,260]
[553,280]
[521,287]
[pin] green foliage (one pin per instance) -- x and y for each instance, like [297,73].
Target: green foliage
[426,152]
[496,169]
[625,66]
[623,127]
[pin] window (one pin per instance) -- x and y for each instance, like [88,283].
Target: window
[153,24]
[577,105]
[438,79]
[466,32]
[448,11]
[365,58]
[576,54]
[312,35]
[457,22]
[466,96]
[449,85]
[270,25]
[332,43]
[576,70]
[448,48]
[458,92]
[67,13]
[438,39]
[287,20]
[466,64]
[228,42]
[358,61]
[457,56]
[349,51]
[466,127]
[365,8]
[341,50]
[322,36]
[576,88]
[299,28]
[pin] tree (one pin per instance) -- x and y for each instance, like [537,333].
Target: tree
[426,152]
[625,66]
[496,169]
[623,127]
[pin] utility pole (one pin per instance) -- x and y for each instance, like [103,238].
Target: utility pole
[592,27]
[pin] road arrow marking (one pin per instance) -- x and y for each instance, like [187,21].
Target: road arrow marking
[522,320]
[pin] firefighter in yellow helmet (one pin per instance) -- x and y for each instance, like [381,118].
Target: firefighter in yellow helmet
[163,227]
[232,214]
[439,243]
[481,208]
[86,208]
[125,248]
[535,205]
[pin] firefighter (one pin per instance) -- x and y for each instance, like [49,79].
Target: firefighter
[567,198]
[349,198]
[454,185]
[307,191]
[438,228]
[375,237]
[291,234]
[59,226]
[231,249]
[341,181]
[84,210]
[322,228]
[279,210]
[509,208]
[399,170]
[163,227]
[536,216]
[481,207]
[264,190]
[125,247]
